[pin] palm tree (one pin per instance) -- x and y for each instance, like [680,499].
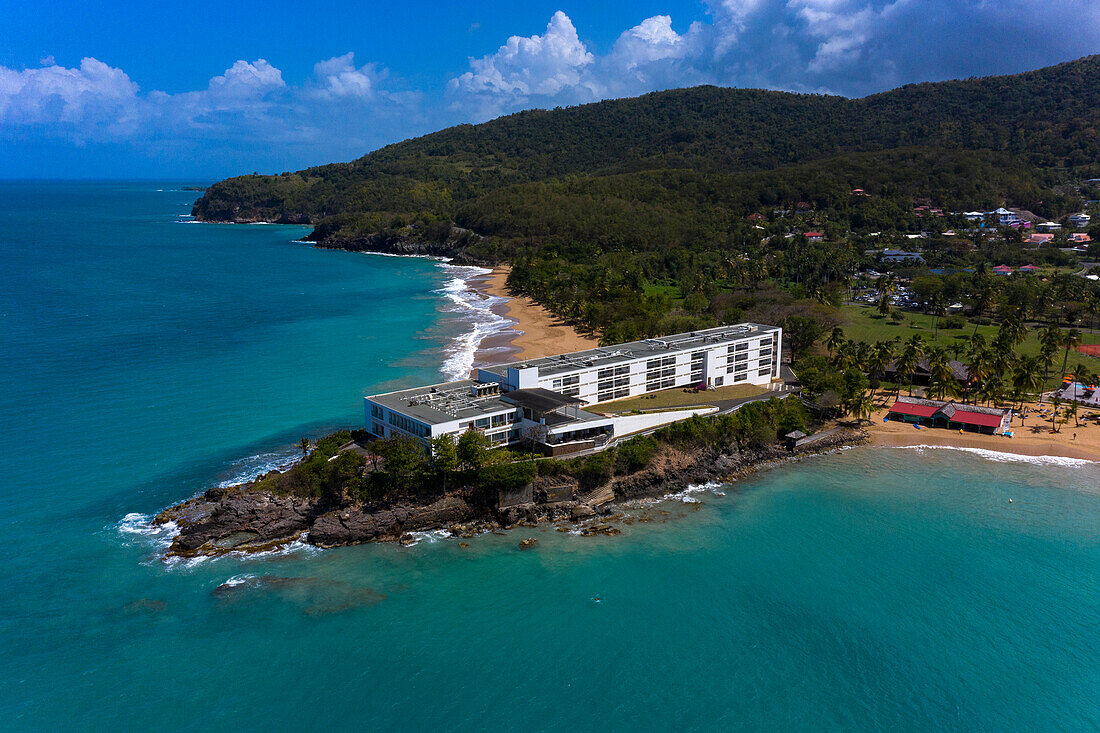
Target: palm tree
[862,406]
[1055,403]
[304,445]
[845,356]
[1012,330]
[942,388]
[911,354]
[979,368]
[835,339]
[1050,340]
[1028,376]
[881,356]
[992,389]
[1071,339]
[939,363]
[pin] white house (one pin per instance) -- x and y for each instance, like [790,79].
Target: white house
[1080,221]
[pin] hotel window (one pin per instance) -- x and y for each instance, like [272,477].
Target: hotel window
[697,366]
[719,381]
[740,376]
[614,383]
[764,371]
[499,420]
[376,411]
[377,429]
[409,426]
[568,386]
[664,361]
[613,394]
[743,346]
[481,423]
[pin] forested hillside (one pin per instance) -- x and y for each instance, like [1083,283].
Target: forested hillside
[1050,117]
[631,217]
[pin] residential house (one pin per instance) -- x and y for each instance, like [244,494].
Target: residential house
[1080,221]
[1039,239]
[897,255]
[815,237]
[1004,217]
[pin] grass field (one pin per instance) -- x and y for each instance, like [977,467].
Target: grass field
[864,324]
[679,398]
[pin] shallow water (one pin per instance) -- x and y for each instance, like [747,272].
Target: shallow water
[865,590]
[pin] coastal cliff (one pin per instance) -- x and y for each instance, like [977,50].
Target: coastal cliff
[249,518]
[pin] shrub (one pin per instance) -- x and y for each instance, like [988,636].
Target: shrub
[953,322]
[635,454]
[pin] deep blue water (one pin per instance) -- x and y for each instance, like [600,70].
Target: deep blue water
[145,359]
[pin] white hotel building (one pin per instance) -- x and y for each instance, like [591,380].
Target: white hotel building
[542,400]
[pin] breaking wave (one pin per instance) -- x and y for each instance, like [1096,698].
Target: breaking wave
[999,457]
[476,308]
[247,469]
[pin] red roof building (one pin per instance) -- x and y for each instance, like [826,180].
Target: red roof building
[952,415]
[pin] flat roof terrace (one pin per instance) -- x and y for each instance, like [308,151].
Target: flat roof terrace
[441,403]
[645,349]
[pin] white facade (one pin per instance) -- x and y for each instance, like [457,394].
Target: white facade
[718,357]
[749,358]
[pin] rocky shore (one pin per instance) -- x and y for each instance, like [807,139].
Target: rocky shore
[243,519]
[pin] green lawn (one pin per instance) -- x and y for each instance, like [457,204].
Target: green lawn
[863,324]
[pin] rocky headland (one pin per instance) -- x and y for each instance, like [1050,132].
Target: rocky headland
[245,519]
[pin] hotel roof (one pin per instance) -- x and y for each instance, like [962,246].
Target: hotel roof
[646,349]
[440,403]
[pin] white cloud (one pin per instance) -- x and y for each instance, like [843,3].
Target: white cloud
[244,79]
[56,93]
[651,40]
[343,109]
[546,65]
[339,78]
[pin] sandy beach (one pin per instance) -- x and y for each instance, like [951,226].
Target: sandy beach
[1031,434]
[536,332]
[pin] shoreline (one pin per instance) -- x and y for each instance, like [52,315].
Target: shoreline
[1031,436]
[534,332]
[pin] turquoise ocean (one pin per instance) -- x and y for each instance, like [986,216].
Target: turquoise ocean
[145,358]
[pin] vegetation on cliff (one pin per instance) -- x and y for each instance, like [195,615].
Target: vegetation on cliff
[398,469]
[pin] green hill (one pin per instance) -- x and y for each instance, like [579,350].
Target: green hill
[630,216]
[1049,117]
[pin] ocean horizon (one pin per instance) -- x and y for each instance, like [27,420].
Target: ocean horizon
[149,358]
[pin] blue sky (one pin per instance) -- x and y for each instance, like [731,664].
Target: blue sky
[204,90]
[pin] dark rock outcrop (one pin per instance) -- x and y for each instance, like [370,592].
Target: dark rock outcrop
[238,519]
[404,242]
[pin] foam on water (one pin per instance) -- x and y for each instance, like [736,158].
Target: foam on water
[434,535]
[137,527]
[687,496]
[238,580]
[252,467]
[999,457]
[474,307]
